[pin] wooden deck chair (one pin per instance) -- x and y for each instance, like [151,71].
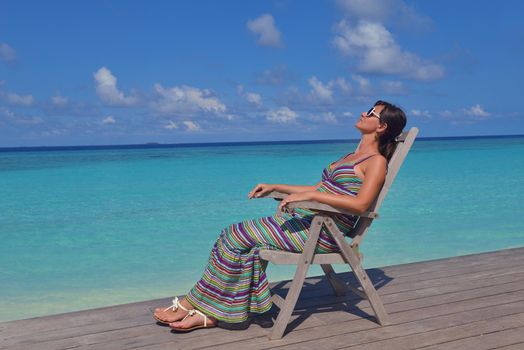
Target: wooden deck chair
[348,249]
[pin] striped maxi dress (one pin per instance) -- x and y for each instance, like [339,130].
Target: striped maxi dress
[234,283]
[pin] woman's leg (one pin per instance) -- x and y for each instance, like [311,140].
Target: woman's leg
[234,282]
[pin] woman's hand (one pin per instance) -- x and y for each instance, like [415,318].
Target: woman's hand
[260,190]
[296,197]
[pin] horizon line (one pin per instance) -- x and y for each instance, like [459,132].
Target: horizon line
[223,143]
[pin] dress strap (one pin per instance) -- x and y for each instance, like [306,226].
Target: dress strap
[363,159]
[330,166]
[344,156]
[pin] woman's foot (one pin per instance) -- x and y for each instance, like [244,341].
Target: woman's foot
[173,313]
[193,320]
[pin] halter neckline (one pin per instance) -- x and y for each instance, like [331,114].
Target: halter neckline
[352,162]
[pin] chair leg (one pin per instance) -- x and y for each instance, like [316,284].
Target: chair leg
[338,286]
[264,264]
[296,286]
[372,294]
[361,275]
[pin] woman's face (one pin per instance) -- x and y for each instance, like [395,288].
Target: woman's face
[369,121]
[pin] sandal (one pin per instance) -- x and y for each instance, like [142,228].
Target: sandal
[174,307]
[191,313]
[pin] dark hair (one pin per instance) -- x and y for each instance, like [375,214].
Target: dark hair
[395,118]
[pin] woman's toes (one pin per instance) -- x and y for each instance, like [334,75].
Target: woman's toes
[177,324]
[193,321]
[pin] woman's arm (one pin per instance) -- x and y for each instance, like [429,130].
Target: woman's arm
[374,179]
[263,189]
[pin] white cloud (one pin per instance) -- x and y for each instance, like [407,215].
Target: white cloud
[253,98]
[377,52]
[476,111]
[250,97]
[347,114]
[366,9]
[107,90]
[320,91]
[59,101]
[20,100]
[7,113]
[322,95]
[275,76]
[191,126]
[446,114]
[282,115]
[54,132]
[171,125]
[7,53]
[29,120]
[323,118]
[108,120]
[471,115]
[394,11]
[344,86]
[17,119]
[393,87]
[364,85]
[325,91]
[186,100]
[264,27]
[421,114]
[330,118]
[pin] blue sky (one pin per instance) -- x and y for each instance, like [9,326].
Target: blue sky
[118,72]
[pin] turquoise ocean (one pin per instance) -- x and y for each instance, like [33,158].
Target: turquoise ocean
[84,228]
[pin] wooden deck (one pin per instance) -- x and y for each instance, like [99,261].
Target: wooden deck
[470,302]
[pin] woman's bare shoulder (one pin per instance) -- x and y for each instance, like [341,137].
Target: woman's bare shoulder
[377,162]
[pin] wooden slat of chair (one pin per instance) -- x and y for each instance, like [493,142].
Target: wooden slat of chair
[348,251]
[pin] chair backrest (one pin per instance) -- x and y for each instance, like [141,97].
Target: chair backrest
[403,144]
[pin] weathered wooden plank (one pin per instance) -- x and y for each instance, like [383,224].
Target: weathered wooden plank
[421,267]
[517,346]
[423,332]
[445,287]
[216,339]
[343,323]
[442,272]
[339,327]
[452,264]
[492,259]
[453,331]
[146,319]
[81,318]
[493,336]
[69,332]
[120,313]
[125,333]
[427,279]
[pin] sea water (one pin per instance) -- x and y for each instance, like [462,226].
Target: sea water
[85,228]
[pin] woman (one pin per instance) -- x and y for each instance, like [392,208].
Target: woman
[234,282]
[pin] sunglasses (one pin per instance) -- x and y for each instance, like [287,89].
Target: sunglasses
[372,113]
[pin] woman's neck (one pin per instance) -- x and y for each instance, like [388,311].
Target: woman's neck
[368,144]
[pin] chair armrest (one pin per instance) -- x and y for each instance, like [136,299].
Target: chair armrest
[329,209]
[317,206]
[278,196]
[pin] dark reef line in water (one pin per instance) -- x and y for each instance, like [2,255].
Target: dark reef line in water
[223,144]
